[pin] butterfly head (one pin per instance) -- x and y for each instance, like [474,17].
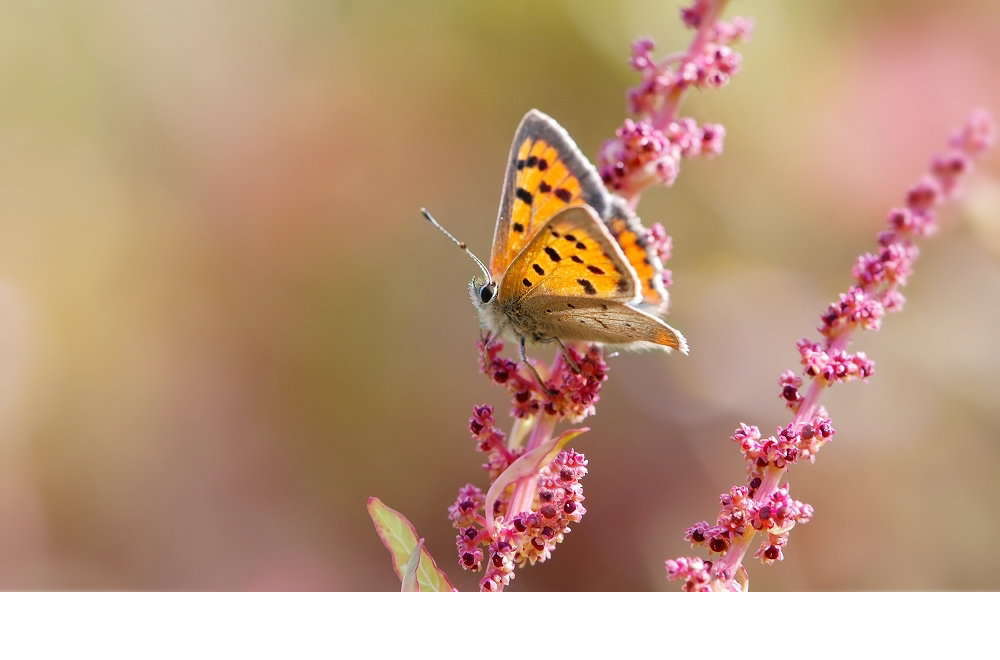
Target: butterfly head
[482,290]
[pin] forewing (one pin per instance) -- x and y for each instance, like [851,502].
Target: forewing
[571,256]
[546,173]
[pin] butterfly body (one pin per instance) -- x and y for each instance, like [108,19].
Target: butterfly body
[570,261]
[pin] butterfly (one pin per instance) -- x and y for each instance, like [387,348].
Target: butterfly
[570,261]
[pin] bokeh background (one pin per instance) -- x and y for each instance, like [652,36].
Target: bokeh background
[224,324]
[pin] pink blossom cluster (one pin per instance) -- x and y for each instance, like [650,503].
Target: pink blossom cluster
[553,494]
[694,571]
[648,150]
[762,505]
[739,510]
[492,441]
[528,536]
[531,536]
[788,445]
[657,237]
[572,392]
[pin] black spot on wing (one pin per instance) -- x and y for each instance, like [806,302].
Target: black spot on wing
[622,285]
[518,227]
[588,288]
[526,282]
[524,195]
[553,255]
[542,164]
[595,270]
[577,259]
[538,269]
[544,187]
[563,194]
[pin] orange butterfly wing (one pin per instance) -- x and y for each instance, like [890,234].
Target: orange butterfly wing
[571,255]
[631,237]
[572,282]
[546,173]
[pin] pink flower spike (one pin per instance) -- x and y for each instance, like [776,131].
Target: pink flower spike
[649,149]
[763,505]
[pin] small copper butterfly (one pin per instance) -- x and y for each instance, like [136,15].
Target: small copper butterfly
[570,261]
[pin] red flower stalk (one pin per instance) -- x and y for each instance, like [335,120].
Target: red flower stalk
[648,150]
[763,505]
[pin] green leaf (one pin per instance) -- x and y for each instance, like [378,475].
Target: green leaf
[401,539]
[410,570]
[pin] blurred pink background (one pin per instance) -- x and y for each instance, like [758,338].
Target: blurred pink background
[224,324]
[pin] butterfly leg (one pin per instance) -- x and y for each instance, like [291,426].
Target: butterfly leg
[568,356]
[538,379]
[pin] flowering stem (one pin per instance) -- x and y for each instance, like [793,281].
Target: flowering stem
[875,292]
[706,27]
[526,488]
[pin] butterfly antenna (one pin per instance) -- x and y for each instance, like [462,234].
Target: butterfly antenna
[457,242]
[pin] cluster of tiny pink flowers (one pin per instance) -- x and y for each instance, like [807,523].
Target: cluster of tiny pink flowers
[660,240]
[710,65]
[526,398]
[663,244]
[721,31]
[640,156]
[570,392]
[776,515]
[465,516]
[491,441]
[873,294]
[530,536]
[694,571]
[789,445]
[878,276]
[776,518]
[643,154]
[648,150]
[573,393]
[830,366]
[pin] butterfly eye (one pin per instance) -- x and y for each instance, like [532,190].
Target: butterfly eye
[488,292]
